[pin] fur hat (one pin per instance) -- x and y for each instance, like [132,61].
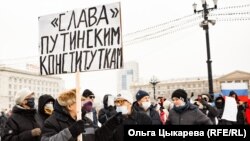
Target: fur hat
[181,94]
[22,94]
[87,93]
[125,95]
[67,97]
[140,94]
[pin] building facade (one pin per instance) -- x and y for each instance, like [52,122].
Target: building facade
[12,80]
[193,86]
[128,75]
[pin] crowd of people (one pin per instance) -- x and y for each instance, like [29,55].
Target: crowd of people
[55,119]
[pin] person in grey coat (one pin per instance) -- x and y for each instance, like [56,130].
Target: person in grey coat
[185,113]
[63,125]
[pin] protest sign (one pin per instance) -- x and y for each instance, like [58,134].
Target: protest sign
[81,40]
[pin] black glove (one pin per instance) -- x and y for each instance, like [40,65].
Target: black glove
[114,121]
[77,128]
[110,108]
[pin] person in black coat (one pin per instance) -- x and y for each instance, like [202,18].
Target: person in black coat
[185,113]
[22,125]
[204,103]
[108,109]
[220,105]
[113,130]
[241,109]
[143,104]
[3,119]
[91,113]
[45,108]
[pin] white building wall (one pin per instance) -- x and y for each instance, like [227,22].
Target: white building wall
[4,94]
[13,80]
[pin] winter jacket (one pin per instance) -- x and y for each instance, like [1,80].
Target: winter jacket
[153,114]
[42,116]
[112,131]
[107,111]
[56,127]
[220,109]
[19,125]
[94,117]
[210,111]
[240,115]
[240,112]
[3,120]
[248,112]
[239,119]
[188,115]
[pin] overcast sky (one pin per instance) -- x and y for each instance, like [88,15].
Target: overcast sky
[176,53]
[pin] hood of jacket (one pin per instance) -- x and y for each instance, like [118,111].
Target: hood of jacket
[219,98]
[43,99]
[105,100]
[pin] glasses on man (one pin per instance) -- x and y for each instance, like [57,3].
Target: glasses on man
[120,101]
[92,97]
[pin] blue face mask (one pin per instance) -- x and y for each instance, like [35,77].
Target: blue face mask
[31,102]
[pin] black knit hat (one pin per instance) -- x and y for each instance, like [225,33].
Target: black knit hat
[87,93]
[180,93]
[140,94]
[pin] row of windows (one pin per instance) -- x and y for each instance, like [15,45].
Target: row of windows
[198,85]
[236,81]
[195,91]
[32,81]
[43,90]
[174,86]
[194,85]
[35,88]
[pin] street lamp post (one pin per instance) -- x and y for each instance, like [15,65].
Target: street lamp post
[154,81]
[204,25]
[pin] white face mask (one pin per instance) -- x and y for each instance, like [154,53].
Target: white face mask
[145,105]
[122,109]
[111,101]
[48,108]
[49,105]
